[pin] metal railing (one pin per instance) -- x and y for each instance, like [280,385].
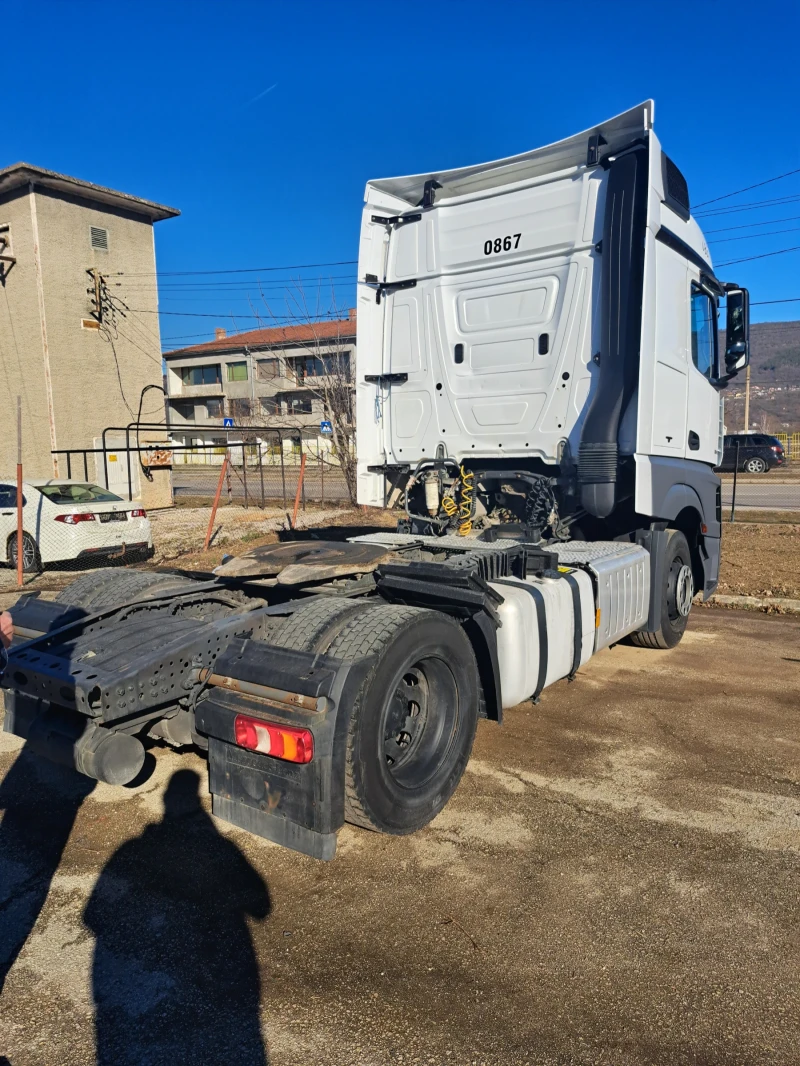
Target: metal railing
[264,464]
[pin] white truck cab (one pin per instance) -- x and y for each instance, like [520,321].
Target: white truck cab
[555,313]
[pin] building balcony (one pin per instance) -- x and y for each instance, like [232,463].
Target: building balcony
[190,391]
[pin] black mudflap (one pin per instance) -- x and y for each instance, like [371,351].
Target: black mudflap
[300,806]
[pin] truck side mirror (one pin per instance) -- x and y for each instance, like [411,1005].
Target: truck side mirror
[737,331]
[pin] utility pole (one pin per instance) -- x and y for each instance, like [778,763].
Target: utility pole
[20,498]
[747,400]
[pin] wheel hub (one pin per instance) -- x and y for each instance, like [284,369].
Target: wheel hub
[406,718]
[684,590]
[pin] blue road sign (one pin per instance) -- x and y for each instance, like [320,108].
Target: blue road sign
[326,428]
[227,423]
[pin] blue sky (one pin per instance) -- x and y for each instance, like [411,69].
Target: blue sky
[262,121]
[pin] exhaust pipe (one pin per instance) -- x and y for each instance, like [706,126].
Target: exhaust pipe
[68,738]
[622,283]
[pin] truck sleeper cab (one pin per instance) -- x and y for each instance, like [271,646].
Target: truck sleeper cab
[538,390]
[554,313]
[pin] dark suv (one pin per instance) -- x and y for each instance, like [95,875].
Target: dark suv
[758,453]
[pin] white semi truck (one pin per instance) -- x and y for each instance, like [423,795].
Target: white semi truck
[538,394]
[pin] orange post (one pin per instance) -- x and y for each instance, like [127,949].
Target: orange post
[299,489]
[20,539]
[210,529]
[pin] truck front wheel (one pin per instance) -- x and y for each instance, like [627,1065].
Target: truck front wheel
[676,595]
[413,721]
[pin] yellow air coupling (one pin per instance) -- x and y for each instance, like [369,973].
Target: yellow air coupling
[465,507]
[449,506]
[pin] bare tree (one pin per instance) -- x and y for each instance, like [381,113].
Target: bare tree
[321,364]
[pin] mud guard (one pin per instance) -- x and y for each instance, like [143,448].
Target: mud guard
[298,806]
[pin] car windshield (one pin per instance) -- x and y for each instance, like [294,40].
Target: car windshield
[72,493]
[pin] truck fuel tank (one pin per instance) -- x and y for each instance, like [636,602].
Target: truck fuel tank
[553,623]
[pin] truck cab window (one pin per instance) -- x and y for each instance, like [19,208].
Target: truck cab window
[704,332]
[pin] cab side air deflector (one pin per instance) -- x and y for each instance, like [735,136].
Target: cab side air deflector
[622,279]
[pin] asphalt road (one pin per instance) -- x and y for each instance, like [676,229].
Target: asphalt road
[767,493]
[615,881]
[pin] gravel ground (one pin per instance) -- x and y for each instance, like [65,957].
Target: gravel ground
[614,882]
[178,537]
[181,531]
[760,559]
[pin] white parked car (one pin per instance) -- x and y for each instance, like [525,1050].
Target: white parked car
[64,520]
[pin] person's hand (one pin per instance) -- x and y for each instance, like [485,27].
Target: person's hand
[6,629]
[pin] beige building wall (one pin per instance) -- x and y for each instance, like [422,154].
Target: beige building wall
[95,375]
[22,371]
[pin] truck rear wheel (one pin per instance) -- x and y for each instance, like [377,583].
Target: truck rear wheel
[314,625]
[109,587]
[677,593]
[413,721]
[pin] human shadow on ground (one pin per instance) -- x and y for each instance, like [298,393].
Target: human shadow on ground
[40,802]
[174,975]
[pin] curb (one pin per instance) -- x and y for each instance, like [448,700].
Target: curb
[757,602]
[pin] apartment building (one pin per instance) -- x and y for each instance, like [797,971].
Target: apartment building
[73,255]
[279,378]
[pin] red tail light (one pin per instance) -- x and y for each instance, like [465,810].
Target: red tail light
[776,448]
[269,738]
[73,519]
[138,512]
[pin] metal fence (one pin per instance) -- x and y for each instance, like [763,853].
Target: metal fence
[791,445]
[263,466]
[750,495]
[256,477]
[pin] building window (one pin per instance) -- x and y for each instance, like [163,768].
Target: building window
[201,375]
[214,408]
[99,238]
[269,405]
[185,410]
[239,408]
[318,366]
[237,371]
[268,369]
[298,405]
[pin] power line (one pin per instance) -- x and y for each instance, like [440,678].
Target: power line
[752,225]
[747,188]
[747,207]
[232,314]
[751,236]
[788,300]
[240,270]
[765,255]
[148,286]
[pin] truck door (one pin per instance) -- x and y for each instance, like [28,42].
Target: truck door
[412,428]
[668,396]
[703,428]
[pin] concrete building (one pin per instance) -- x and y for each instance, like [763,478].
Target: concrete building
[74,257]
[277,377]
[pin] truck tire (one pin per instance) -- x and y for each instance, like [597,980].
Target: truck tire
[677,593]
[413,720]
[102,589]
[313,626]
